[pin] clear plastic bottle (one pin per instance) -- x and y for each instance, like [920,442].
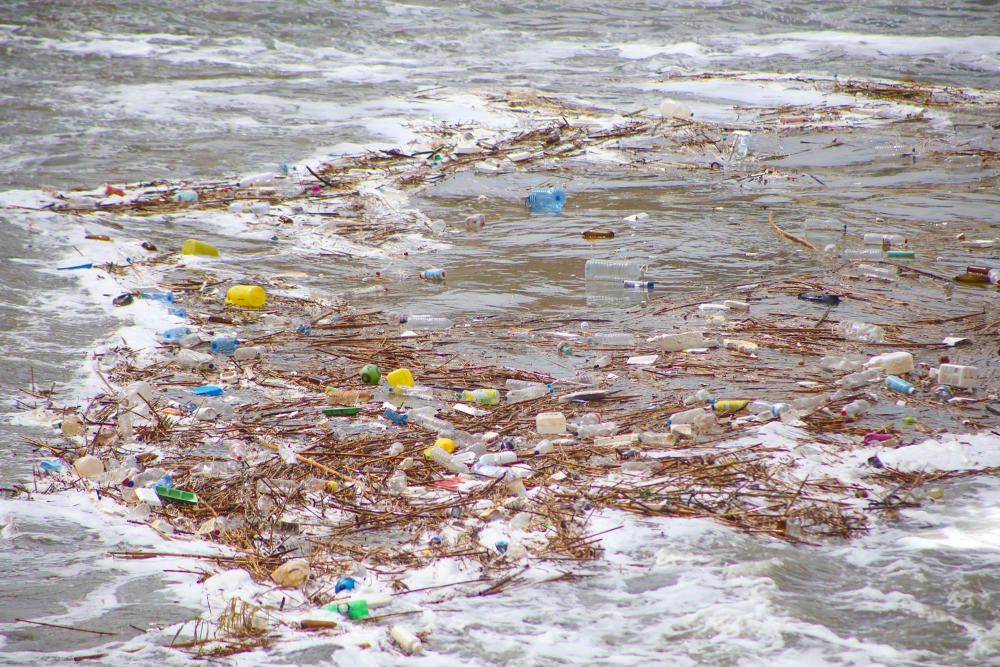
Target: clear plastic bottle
[877,272]
[884,239]
[688,416]
[546,200]
[528,393]
[855,408]
[157,295]
[809,403]
[428,322]
[836,363]
[523,384]
[601,430]
[860,378]
[612,339]
[225,345]
[861,332]
[614,269]
[863,253]
[700,396]
[432,423]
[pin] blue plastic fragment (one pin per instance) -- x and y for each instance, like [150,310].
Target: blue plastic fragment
[345,584]
[207,390]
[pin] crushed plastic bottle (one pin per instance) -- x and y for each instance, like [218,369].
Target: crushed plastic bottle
[481,396]
[856,408]
[860,378]
[861,332]
[529,393]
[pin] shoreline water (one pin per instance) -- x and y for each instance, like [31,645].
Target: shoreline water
[234,582]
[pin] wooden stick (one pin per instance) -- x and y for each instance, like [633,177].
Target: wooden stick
[65,627]
[789,235]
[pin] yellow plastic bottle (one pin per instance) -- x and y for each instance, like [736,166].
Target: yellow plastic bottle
[196,247]
[401,377]
[729,407]
[246,296]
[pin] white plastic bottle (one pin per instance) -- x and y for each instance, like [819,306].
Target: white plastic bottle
[877,272]
[862,253]
[856,408]
[700,396]
[445,460]
[405,639]
[892,363]
[860,378]
[498,458]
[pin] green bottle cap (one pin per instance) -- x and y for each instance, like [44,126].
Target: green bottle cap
[370,374]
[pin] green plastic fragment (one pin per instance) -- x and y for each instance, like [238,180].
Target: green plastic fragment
[341,412]
[900,254]
[354,609]
[176,494]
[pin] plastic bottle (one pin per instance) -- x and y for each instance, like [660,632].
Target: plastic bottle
[884,239]
[546,200]
[613,269]
[481,396]
[956,375]
[687,416]
[446,460]
[855,408]
[877,272]
[899,384]
[741,346]
[900,254]
[158,295]
[52,467]
[347,396]
[762,407]
[809,403]
[612,339]
[246,353]
[679,341]
[729,406]
[861,331]
[638,284]
[862,253]
[406,640]
[239,206]
[225,345]
[860,378]
[185,196]
[193,360]
[601,430]
[246,296]
[498,458]
[528,393]
[255,180]
[892,363]
[434,275]
[740,146]
[550,423]
[835,363]
[175,334]
[196,247]
[700,396]
[432,423]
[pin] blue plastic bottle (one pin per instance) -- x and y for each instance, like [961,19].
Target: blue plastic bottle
[899,384]
[225,345]
[175,334]
[157,295]
[396,418]
[546,200]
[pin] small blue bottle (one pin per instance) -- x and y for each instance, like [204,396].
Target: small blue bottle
[157,295]
[166,480]
[225,345]
[436,275]
[546,200]
[345,584]
[186,196]
[899,384]
[177,311]
[175,334]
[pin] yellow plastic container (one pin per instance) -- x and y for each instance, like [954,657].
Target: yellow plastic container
[401,377]
[729,407]
[247,296]
[196,247]
[447,444]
